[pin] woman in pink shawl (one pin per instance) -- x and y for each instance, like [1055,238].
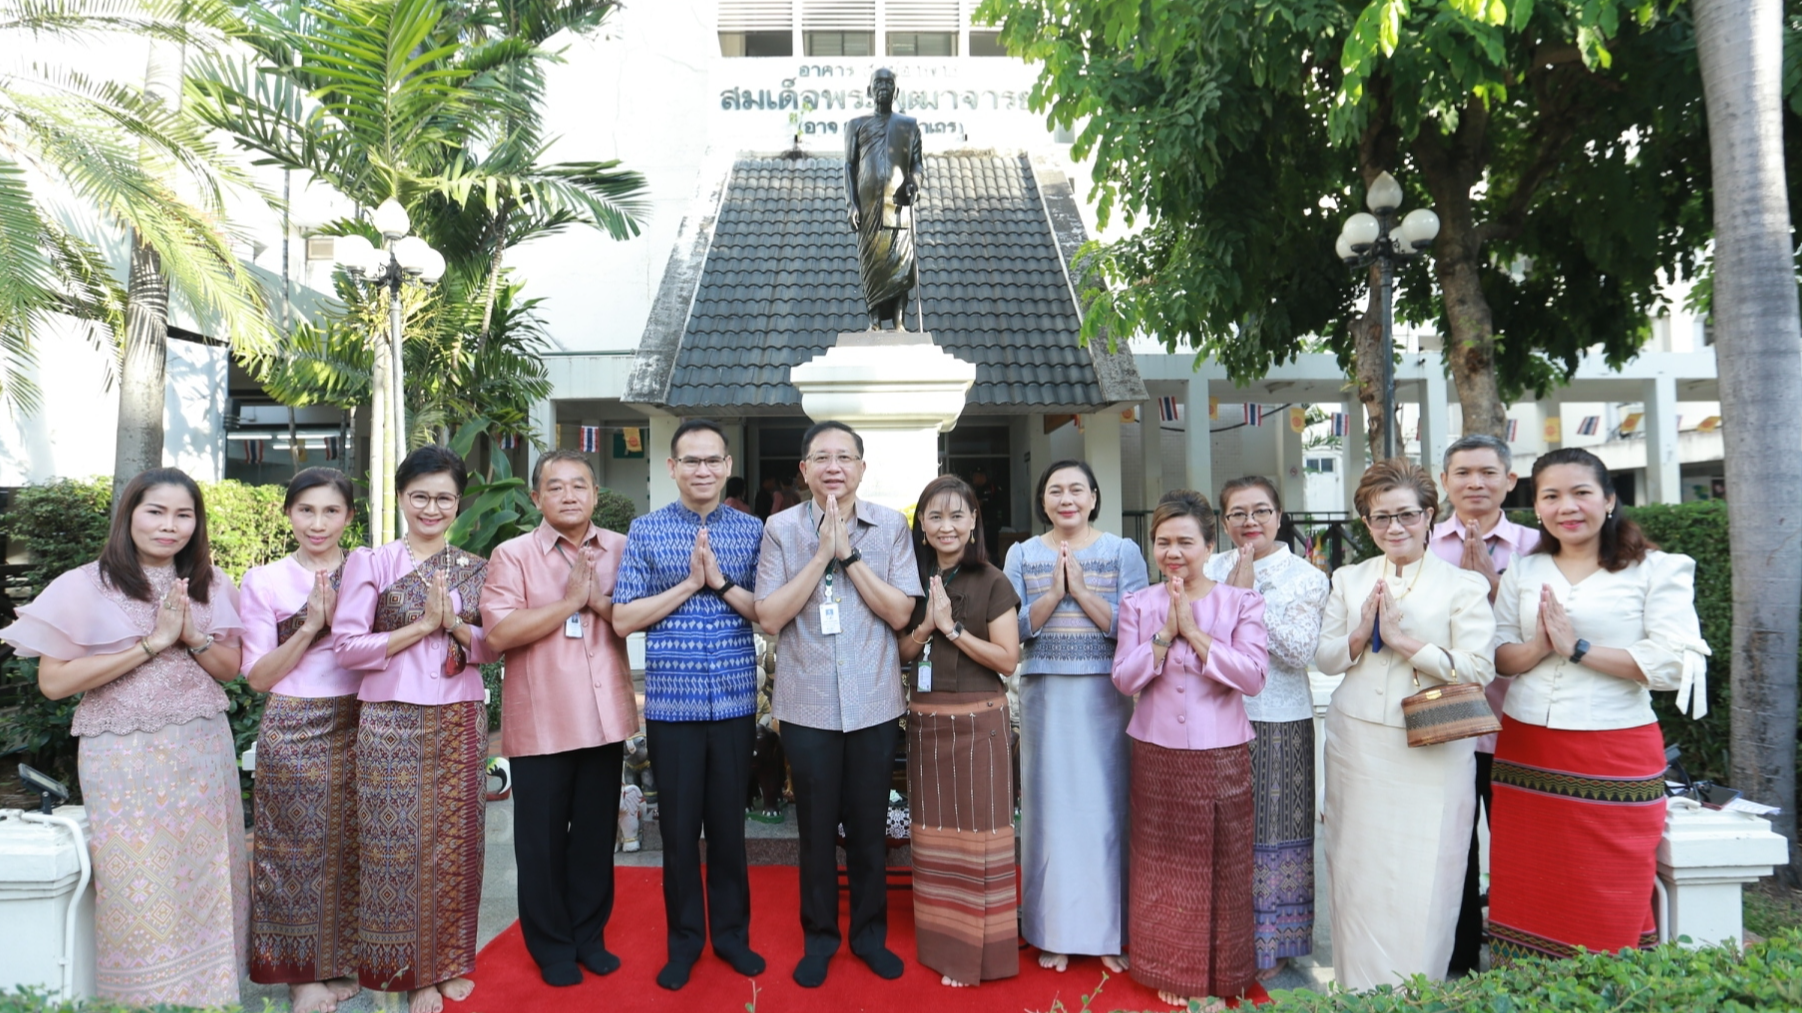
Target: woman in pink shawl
[147,633]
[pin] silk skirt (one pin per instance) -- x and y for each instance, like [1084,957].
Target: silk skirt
[1282,781]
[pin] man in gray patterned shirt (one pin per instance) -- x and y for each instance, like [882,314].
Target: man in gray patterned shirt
[836,577]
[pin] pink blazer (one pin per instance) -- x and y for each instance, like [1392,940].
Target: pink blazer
[1188,704]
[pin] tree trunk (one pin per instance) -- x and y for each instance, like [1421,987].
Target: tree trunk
[1758,349]
[139,443]
[1367,359]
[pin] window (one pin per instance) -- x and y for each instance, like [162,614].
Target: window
[986,44]
[922,43]
[841,43]
[757,28]
[757,43]
[1322,465]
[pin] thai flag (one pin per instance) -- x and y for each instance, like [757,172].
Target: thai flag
[1167,409]
[1254,414]
[1341,424]
[1513,427]
[253,451]
[591,439]
[1589,424]
[331,448]
[509,441]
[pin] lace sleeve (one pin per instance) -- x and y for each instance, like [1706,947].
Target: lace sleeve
[1293,608]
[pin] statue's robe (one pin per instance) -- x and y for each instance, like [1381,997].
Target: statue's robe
[882,155]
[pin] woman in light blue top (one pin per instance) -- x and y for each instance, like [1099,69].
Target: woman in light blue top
[1074,754]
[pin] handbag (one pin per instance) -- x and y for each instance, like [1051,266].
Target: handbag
[1456,710]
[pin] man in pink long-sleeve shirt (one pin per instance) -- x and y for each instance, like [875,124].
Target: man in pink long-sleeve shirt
[1478,536]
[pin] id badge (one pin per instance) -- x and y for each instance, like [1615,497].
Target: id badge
[829,618]
[925,676]
[572,627]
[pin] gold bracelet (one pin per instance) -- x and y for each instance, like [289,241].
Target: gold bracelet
[916,640]
[145,644]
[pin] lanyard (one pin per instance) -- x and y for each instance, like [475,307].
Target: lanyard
[826,592]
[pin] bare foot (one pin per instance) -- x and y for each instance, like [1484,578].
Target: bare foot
[343,988]
[457,989]
[1054,961]
[312,997]
[1206,1003]
[946,980]
[1267,973]
[425,1000]
[1115,962]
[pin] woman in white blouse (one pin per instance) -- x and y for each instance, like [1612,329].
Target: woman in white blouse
[1398,819]
[1587,625]
[1282,718]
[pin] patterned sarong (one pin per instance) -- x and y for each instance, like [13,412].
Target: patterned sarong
[961,791]
[1282,781]
[1574,840]
[304,873]
[172,898]
[1190,904]
[420,847]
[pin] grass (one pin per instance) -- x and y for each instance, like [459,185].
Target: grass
[1771,907]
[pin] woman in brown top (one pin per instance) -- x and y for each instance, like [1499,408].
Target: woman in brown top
[966,637]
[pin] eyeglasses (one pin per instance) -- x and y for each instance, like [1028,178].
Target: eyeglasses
[1408,519]
[1261,514]
[421,500]
[827,460]
[697,463]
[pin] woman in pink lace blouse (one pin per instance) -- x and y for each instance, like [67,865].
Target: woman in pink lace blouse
[408,619]
[146,633]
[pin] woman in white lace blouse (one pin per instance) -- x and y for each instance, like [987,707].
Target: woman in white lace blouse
[1282,717]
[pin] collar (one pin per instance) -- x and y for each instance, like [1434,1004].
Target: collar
[816,514]
[547,537]
[712,516]
[1409,571]
[1505,530]
[1277,558]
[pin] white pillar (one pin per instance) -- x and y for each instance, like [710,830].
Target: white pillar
[1293,477]
[1664,473]
[1101,446]
[1038,458]
[1705,859]
[1351,452]
[1198,436]
[1434,424]
[1151,453]
[656,452]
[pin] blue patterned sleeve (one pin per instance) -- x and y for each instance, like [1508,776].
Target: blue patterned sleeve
[633,581]
[1016,575]
[1133,577]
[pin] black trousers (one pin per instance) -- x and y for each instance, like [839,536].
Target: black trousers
[1467,943]
[842,777]
[565,818]
[701,769]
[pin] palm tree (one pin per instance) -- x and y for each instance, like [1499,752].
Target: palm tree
[1758,346]
[435,104]
[126,158]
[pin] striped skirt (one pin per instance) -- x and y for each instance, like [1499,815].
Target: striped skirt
[303,904]
[1282,885]
[961,791]
[171,879]
[1190,875]
[420,804]
[1574,839]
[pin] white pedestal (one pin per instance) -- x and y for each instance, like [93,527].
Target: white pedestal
[39,870]
[1705,859]
[899,391]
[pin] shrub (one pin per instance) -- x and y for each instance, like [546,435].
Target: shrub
[62,525]
[614,510]
[246,525]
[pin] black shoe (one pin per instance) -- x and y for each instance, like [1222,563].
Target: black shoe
[674,974]
[561,975]
[883,961]
[811,971]
[743,960]
[600,961]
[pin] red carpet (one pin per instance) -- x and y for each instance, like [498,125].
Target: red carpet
[507,981]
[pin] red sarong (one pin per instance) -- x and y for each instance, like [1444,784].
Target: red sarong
[1574,839]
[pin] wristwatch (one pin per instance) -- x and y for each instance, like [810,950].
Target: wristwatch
[856,556]
[205,646]
[1157,640]
[1576,656]
[727,585]
[957,630]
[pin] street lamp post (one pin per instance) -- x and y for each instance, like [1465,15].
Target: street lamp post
[401,257]
[1377,237]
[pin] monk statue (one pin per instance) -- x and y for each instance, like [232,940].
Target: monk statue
[883,170]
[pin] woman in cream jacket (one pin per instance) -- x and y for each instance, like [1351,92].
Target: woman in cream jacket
[1398,819]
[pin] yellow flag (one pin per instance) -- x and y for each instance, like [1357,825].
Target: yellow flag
[1298,419]
[1213,409]
[1554,429]
[634,440]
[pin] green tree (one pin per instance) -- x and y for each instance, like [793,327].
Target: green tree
[134,166]
[1554,138]
[1758,340]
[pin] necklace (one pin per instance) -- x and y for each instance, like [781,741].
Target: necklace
[1420,564]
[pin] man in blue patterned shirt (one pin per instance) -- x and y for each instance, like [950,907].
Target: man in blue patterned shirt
[688,579]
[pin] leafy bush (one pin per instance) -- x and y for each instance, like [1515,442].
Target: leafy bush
[33,1000]
[614,510]
[62,525]
[245,525]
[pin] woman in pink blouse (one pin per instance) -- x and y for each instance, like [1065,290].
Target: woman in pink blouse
[408,620]
[1192,649]
[303,905]
[146,634]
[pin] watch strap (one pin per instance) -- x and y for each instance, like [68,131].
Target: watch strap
[856,556]
[727,584]
[1582,649]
